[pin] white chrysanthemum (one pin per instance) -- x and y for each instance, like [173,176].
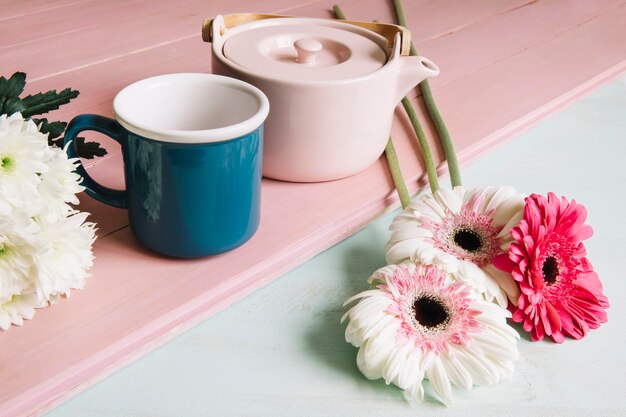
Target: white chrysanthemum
[461,230]
[60,183]
[45,246]
[420,323]
[66,255]
[18,244]
[19,308]
[22,150]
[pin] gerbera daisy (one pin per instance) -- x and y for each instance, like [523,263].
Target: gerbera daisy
[560,292]
[461,230]
[419,323]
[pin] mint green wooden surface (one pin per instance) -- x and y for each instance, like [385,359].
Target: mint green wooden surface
[281,351]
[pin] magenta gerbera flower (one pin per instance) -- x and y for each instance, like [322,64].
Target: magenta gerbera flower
[561,295]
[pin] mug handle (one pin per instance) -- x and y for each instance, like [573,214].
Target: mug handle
[109,127]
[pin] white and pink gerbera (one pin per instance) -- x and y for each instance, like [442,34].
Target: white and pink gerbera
[461,230]
[421,323]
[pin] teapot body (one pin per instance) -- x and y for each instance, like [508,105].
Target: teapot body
[321,133]
[321,127]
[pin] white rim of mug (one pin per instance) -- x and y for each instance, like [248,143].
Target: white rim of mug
[220,134]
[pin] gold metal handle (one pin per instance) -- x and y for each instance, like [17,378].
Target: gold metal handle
[386,30]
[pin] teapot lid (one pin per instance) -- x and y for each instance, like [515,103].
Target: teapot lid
[303,49]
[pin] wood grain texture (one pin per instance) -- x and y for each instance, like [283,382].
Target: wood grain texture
[523,66]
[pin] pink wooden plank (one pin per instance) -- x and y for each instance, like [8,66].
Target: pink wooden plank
[92,81]
[11,9]
[112,35]
[46,22]
[85,334]
[452,53]
[432,19]
[103,31]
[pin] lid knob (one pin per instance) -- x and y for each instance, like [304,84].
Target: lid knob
[307,48]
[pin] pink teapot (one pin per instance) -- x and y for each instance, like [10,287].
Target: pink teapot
[332,86]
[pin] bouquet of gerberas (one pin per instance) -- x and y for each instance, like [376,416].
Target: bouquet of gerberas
[461,262]
[45,244]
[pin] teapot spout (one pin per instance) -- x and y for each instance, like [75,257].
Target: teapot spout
[412,71]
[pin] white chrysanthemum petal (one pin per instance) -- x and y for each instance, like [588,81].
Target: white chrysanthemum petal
[18,245]
[22,152]
[45,246]
[67,255]
[19,308]
[5,320]
[432,326]
[59,184]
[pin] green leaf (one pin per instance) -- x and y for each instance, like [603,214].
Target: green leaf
[12,105]
[89,150]
[44,102]
[14,86]
[9,93]
[53,129]
[56,142]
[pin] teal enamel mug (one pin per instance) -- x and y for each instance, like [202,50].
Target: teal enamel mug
[192,147]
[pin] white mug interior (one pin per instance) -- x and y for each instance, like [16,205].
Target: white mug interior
[190,108]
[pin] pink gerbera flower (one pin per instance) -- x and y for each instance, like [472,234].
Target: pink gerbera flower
[421,323]
[461,230]
[560,292]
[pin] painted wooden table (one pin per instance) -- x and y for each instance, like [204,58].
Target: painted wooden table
[505,65]
[281,351]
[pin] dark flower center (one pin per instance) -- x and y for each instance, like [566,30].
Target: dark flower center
[468,240]
[430,312]
[550,270]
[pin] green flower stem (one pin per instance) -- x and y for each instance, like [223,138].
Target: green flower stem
[396,174]
[429,163]
[390,151]
[433,111]
[338,12]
